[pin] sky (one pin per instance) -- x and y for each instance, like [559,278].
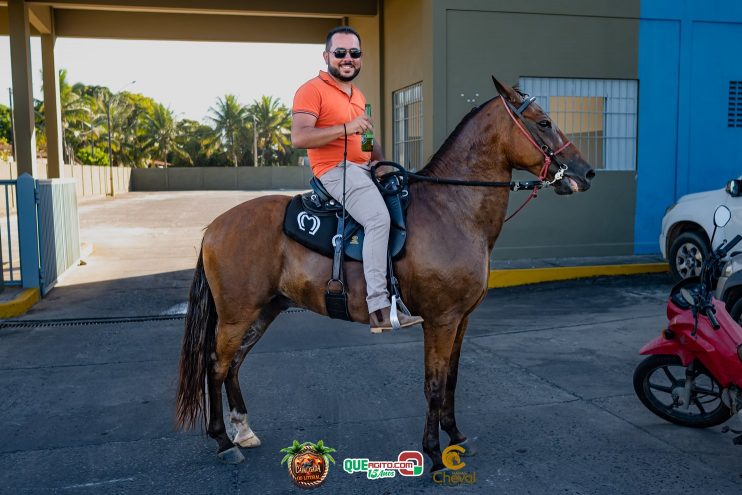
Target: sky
[185,76]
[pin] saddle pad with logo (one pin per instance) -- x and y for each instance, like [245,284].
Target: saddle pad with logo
[316,230]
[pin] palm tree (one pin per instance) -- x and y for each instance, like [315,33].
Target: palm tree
[199,141]
[229,119]
[161,135]
[273,127]
[79,125]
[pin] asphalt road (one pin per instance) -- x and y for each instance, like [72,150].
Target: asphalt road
[544,384]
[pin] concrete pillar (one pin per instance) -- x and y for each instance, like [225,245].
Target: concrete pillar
[52,108]
[23,112]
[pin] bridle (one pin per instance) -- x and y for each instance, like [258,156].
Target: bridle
[549,155]
[516,115]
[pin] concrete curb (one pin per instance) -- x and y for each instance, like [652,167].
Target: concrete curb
[517,276]
[20,304]
[28,297]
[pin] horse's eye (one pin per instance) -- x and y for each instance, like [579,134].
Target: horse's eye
[545,123]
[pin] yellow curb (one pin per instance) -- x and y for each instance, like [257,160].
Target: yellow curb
[20,304]
[516,276]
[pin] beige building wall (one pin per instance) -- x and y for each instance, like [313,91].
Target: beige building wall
[369,81]
[407,32]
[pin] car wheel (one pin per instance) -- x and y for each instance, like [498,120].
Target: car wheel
[687,254]
[736,311]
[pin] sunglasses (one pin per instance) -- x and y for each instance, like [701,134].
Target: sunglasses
[340,53]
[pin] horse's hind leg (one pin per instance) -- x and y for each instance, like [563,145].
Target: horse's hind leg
[448,416]
[228,339]
[245,437]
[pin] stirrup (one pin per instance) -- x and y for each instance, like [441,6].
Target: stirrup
[393,318]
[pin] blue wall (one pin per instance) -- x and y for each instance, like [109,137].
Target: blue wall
[689,50]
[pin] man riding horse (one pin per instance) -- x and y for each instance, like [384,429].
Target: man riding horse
[321,112]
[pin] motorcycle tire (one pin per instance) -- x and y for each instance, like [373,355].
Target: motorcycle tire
[697,416]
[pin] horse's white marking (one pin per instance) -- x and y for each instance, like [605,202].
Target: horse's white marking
[245,437]
[98,483]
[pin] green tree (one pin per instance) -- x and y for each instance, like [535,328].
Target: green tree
[161,133]
[79,127]
[201,143]
[229,120]
[6,130]
[274,129]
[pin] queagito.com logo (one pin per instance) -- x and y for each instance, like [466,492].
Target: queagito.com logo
[408,463]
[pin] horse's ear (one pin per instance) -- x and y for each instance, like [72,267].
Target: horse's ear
[505,91]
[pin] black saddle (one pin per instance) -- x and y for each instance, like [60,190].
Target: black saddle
[311,219]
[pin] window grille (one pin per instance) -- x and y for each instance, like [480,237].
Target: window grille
[408,126]
[598,115]
[734,110]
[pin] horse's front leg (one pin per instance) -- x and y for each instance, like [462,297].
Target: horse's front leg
[438,344]
[448,414]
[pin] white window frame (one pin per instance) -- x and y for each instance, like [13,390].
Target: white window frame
[407,149]
[620,110]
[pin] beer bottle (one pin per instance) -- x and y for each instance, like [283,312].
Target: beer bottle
[367,139]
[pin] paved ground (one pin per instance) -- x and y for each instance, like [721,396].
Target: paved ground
[544,386]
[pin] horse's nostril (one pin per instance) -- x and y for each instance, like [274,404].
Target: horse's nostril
[590,174]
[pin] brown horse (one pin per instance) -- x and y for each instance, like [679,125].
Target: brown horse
[249,271]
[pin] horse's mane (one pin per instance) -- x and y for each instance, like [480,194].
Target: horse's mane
[448,143]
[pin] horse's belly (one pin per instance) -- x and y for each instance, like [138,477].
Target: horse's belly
[305,276]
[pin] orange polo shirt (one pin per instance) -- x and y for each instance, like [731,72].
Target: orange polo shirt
[323,98]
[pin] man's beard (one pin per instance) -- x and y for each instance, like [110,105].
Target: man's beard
[335,72]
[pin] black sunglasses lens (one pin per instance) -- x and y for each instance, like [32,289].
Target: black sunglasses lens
[341,52]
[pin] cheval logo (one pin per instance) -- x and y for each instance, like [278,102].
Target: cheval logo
[308,221]
[451,458]
[308,463]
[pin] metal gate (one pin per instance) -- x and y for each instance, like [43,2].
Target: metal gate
[49,230]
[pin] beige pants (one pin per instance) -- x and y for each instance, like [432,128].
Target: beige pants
[364,202]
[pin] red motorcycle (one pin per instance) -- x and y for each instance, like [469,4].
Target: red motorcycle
[693,376]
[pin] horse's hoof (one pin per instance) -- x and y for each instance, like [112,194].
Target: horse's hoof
[249,441]
[469,449]
[231,456]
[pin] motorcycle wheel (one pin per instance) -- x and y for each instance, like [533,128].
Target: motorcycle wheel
[660,378]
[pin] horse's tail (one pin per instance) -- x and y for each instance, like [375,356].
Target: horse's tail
[195,354]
